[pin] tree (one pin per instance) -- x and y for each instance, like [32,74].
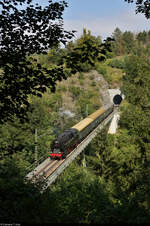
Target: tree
[136,80]
[128,41]
[142,6]
[27,29]
[142,37]
[136,84]
[16,137]
[117,160]
[117,45]
[124,42]
[86,51]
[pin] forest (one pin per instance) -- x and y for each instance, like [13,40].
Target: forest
[109,181]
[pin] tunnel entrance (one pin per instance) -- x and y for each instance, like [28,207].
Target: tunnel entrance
[117,99]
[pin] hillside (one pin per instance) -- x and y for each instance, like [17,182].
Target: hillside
[91,85]
[108,182]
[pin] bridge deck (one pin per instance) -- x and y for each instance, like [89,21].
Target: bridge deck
[50,170]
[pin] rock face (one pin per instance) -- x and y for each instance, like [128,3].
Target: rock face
[104,94]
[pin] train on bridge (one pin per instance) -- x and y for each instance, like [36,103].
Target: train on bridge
[70,138]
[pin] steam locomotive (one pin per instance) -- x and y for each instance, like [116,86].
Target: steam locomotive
[70,138]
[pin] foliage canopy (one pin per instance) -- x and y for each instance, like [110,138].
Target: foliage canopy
[116,176]
[142,6]
[86,51]
[27,29]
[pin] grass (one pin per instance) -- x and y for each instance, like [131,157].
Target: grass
[80,81]
[112,75]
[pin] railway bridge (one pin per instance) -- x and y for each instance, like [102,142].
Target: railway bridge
[50,169]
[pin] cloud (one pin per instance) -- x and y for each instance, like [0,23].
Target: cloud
[106,25]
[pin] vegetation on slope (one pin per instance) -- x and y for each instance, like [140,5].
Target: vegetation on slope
[114,185]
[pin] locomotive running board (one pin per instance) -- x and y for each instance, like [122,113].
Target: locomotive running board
[76,151]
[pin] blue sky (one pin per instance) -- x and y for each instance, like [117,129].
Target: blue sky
[101,17]
[94,8]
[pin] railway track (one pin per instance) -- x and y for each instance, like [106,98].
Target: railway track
[43,170]
[49,170]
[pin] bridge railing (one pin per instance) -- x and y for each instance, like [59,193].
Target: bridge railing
[76,151]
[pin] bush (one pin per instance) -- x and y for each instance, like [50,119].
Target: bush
[117,64]
[93,83]
[62,88]
[73,82]
[85,67]
[92,77]
[101,69]
[81,83]
[81,76]
[110,54]
[75,90]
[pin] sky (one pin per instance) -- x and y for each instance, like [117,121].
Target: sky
[101,17]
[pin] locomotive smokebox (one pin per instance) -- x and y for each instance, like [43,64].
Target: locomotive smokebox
[117,99]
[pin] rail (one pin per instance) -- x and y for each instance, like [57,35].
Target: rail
[49,170]
[36,163]
[64,163]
